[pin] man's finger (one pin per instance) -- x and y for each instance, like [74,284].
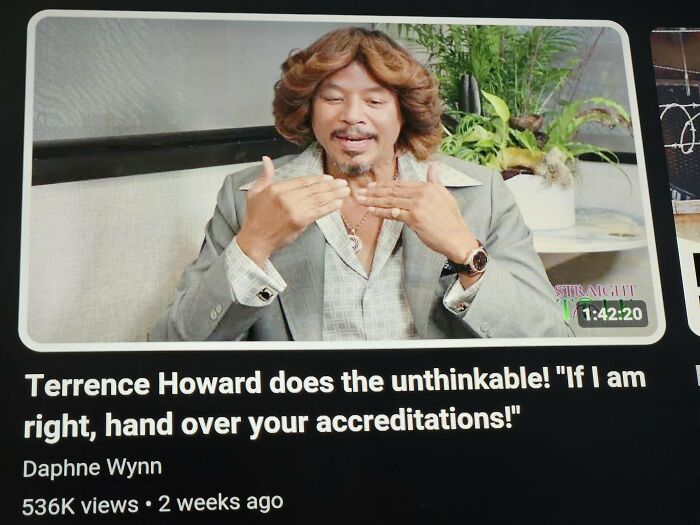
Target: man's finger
[321,211]
[266,175]
[385,202]
[307,198]
[393,214]
[320,192]
[303,182]
[326,186]
[433,173]
[408,184]
[265,178]
[390,191]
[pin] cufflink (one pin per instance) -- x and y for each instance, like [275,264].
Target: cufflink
[447,269]
[460,307]
[264,295]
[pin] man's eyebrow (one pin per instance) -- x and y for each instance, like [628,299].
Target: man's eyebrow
[377,89]
[373,89]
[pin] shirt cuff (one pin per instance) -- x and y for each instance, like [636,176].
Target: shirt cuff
[250,284]
[458,300]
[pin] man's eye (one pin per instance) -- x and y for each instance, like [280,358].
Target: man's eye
[332,99]
[376,103]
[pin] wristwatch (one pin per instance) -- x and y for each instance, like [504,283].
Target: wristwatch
[474,264]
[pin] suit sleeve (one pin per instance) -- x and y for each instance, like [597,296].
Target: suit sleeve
[205,296]
[515,297]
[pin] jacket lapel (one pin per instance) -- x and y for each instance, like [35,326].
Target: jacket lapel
[301,264]
[422,268]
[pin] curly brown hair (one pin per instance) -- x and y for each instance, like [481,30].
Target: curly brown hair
[391,66]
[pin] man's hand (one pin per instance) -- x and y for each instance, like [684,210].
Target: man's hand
[277,213]
[428,209]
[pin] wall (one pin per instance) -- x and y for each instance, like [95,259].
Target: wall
[98,77]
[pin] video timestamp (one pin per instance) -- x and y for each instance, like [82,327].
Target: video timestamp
[607,314]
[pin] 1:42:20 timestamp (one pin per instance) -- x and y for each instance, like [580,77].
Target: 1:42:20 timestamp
[618,313]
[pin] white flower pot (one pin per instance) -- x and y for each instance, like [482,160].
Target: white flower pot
[543,206]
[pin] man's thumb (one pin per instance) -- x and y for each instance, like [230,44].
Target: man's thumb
[266,174]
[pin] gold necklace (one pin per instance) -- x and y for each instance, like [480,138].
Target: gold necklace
[355,241]
[351,231]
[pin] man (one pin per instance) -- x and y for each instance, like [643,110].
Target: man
[349,240]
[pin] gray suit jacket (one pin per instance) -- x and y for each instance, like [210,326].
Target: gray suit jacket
[515,298]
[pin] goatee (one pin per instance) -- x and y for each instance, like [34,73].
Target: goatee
[354,169]
[349,168]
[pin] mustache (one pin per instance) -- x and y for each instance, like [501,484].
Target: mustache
[354,132]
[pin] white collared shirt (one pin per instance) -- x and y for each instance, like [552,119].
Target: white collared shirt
[356,305]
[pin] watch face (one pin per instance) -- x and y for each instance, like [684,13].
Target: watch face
[479,261]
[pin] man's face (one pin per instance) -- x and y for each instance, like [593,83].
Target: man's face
[356,120]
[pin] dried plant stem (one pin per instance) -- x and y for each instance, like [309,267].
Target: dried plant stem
[583,63]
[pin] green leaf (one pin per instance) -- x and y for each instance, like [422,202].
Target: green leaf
[525,139]
[606,102]
[577,148]
[562,128]
[469,121]
[571,117]
[477,134]
[493,162]
[487,143]
[499,105]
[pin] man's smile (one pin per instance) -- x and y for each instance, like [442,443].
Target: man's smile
[350,144]
[353,141]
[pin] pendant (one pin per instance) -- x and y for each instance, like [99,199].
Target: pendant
[355,242]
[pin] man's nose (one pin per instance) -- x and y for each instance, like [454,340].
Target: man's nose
[353,111]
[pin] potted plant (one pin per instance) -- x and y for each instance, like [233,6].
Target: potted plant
[521,67]
[526,128]
[546,199]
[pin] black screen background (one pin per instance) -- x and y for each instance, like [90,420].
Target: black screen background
[574,456]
